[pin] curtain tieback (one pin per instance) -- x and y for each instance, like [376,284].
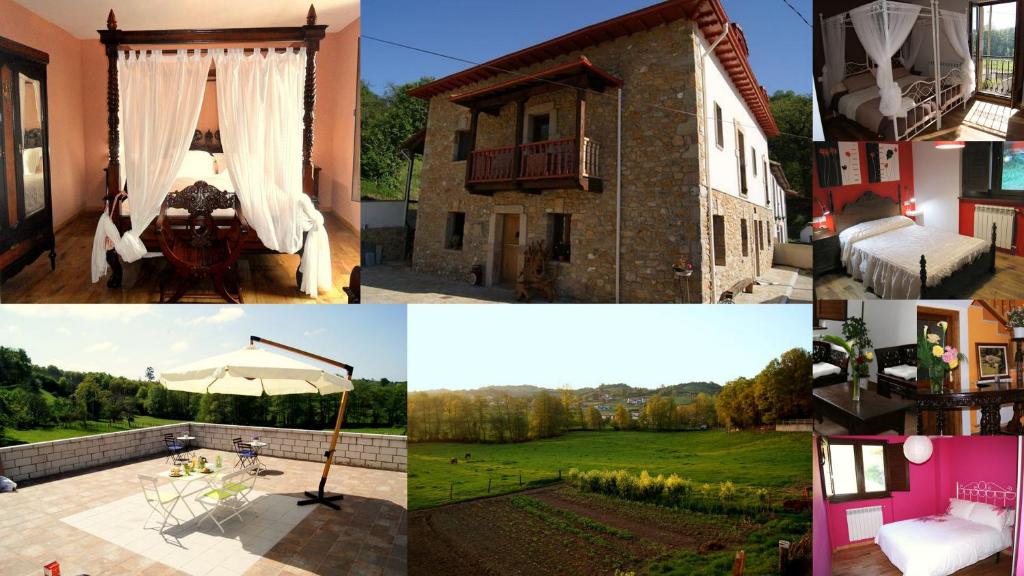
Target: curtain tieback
[128,246]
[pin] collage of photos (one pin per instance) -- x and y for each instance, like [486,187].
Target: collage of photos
[918,319]
[178,180]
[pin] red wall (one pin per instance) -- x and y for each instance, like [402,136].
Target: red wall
[843,194]
[967,219]
[822,559]
[958,458]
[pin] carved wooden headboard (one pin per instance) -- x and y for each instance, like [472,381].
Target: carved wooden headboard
[869,206]
[208,141]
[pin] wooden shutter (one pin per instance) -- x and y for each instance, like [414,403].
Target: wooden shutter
[719,228]
[831,309]
[977,167]
[897,469]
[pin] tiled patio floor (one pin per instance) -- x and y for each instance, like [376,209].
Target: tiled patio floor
[367,537]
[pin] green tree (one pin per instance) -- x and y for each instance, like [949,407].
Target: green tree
[150,374]
[792,114]
[594,420]
[88,393]
[622,420]
[216,408]
[387,121]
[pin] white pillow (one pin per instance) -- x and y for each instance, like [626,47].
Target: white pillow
[988,515]
[824,369]
[1011,516]
[197,164]
[904,371]
[960,508]
[219,164]
[32,160]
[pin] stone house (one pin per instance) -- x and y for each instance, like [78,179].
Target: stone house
[527,147]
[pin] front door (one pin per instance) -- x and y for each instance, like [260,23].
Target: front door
[931,317]
[509,248]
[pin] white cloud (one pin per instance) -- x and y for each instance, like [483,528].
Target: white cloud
[222,316]
[63,330]
[104,346]
[179,346]
[125,313]
[316,332]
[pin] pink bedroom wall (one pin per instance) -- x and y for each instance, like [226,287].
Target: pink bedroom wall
[94,117]
[335,123]
[64,102]
[822,552]
[988,458]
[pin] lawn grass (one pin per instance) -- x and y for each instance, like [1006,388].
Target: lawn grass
[13,436]
[773,460]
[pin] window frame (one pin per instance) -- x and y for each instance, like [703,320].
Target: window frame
[741,141]
[450,221]
[718,228]
[995,189]
[719,127]
[825,445]
[744,237]
[565,220]
[461,134]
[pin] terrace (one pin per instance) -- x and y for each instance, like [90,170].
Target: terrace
[80,502]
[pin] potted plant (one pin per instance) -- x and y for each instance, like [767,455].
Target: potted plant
[1015,320]
[857,344]
[682,267]
[938,358]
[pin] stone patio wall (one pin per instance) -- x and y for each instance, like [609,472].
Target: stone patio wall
[364,450]
[30,461]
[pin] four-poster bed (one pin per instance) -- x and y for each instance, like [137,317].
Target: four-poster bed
[266,101]
[884,94]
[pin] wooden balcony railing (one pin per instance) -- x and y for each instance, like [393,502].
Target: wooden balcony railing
[537,161]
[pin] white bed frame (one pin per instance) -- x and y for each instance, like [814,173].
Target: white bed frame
[988,493]
[946,86]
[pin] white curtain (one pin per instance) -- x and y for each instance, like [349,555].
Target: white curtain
[955,27]
[260,106]
[161,95]
[882,34]
[912,49]
[834,39]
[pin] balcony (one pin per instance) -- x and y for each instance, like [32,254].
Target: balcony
[536,166]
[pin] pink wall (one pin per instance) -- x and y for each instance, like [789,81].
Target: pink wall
[964,459]
[335,125]
[64,86]
[822,555]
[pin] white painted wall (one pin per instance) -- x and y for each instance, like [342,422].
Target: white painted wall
[724,162]
[382,214]
[937,186]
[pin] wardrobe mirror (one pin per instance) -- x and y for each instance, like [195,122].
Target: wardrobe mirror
[32,144]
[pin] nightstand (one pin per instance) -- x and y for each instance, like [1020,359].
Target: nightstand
[826,252]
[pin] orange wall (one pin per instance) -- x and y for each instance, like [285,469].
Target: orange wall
[64,86]
[334,126]
[981,330]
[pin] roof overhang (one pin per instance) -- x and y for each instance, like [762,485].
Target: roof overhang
[580,73]
[709,16]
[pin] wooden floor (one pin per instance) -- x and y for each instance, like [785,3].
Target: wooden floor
[980,119]
[869,559]
[264,278]
[1006,283]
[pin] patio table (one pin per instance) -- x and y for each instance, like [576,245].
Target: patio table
[256,445]
[188,442]
[188,485]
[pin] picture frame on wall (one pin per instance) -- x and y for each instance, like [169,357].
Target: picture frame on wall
[992,361]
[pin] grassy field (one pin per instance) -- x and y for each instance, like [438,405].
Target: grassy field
[12,436]
[777,461]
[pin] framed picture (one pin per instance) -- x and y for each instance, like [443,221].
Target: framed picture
[992,361]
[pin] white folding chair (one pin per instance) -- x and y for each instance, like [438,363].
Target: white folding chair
[160,499]
[231,492]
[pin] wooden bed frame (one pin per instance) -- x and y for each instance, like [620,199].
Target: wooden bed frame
[114,40]
[870,206]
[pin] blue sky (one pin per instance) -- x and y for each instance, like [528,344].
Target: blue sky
[479,30]
[469,346]
[124,340]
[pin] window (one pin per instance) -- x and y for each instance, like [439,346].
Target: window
[767,196]
[753,160]
[743,235]
[862,469]
[453,233]
[993,170]
[719,133]
[462,144]
[760,235]
[718,226]
[560,237]
[743,161]
[768,233]
[540,128]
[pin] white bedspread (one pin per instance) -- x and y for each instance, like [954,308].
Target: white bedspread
[858,232]
[890,262]
[824,369]
[849,103]
[939,545]
[35,192]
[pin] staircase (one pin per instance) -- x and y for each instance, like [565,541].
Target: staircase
[997,311]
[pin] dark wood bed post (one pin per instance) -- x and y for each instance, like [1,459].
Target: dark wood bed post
[110,41]
[991,269]
[312,42]
[992,250]
[924,276]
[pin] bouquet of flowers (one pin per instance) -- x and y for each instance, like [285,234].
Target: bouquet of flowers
[860,359]
[939,358]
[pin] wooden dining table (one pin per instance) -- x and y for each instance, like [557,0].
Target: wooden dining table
[873,414]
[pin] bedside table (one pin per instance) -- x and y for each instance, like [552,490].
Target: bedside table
[826,252]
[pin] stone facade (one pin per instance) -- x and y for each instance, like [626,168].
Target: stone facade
[391,240]
[759,245]
[36,460]
[664,198]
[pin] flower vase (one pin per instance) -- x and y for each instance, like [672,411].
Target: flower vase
[855,387]
[938,381]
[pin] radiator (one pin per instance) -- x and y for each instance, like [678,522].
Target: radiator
[1002,216]
[863,523]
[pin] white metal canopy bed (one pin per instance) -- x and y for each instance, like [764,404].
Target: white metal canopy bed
[884,94]
[978,523]
[265,103]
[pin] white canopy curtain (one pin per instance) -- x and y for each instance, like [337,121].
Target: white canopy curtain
[161,96]
[882,28]
[259,101]
[955,27]
[833,34]
[912,49]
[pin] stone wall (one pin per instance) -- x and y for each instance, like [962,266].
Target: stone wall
[391,240]
[30,461]
[662,201]
[737,266]
[364,450]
